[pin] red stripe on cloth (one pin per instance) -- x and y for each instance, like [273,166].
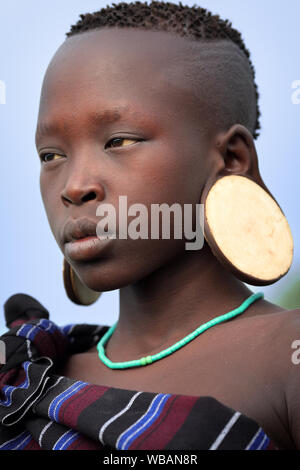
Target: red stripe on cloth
[32,445]
[20,379]
[13,377]
[5,377]
[175,412]
[75,404]
[51,345]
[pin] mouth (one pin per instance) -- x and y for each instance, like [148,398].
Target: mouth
[81,241]
[76,229]
[87,248]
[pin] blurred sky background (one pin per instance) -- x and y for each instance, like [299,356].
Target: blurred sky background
[30,34]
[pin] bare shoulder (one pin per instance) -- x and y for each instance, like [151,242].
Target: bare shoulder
[285,363]
[272,338]
[273,345]
[289,321]
[286,335]
[281,330]
[285,328]
[286,321]
[292,385]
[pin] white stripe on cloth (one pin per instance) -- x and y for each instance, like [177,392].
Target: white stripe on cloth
[225,431]
[31,403]
[61,446]
[43,432]
[113,418]
[253,439]
[154,413]
[28,342]
[63,396]
[21,443]
[13,439]
[54,385]
[263,442]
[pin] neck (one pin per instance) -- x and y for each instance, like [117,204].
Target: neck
[171,303]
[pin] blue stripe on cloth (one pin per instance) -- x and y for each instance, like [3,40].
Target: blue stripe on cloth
[265,443]
[47,325]
[17,443]
[135,430]
[28,331]
[7,390]
[66,440]
[55,405]
[67,328]
[257,441]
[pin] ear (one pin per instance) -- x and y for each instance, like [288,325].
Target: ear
[236,155]
[238,214]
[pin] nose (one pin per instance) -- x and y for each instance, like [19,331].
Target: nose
[78,191]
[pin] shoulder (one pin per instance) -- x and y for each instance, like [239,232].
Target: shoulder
[279,331]
[286,333]
[271,348]
[285,330]
[271,338]
[286,365]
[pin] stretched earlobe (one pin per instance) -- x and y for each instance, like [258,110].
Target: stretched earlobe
[247,230]
[76,291]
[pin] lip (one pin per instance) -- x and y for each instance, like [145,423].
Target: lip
[81,241]
[86,248]
[75,229]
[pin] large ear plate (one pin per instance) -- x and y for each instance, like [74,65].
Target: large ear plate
[247,230]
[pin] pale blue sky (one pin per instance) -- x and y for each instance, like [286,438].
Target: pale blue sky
[30,34]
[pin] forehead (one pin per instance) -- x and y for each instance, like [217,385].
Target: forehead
[119,65]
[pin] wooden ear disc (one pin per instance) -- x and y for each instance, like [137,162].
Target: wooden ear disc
[77,292]
[247,230]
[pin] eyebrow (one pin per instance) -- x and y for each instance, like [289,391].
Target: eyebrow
[93,119]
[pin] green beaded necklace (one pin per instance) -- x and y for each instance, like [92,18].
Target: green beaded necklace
[144,361]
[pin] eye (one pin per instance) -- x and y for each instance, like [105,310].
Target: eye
[120,139]
[49,157]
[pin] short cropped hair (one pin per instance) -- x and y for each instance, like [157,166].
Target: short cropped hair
[225,74]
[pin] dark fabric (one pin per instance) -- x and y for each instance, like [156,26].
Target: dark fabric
[40,409]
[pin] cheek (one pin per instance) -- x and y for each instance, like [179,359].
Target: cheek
[169,177]
[50,200]
[45,189]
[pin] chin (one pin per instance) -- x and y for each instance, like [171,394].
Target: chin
[126,267]
[104,277]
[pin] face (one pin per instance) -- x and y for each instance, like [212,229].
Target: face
[118,117]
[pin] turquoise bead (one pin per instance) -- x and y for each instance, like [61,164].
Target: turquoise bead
[148,359]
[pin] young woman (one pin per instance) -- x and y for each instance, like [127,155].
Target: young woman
[158,104]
